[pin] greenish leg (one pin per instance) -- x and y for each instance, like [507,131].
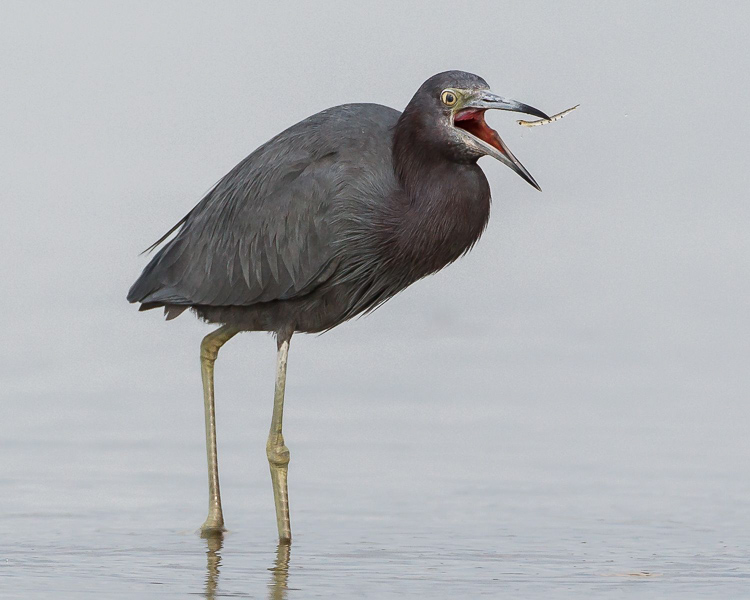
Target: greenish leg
[278,453]
[210,345]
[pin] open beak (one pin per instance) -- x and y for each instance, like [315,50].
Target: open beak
[470,118]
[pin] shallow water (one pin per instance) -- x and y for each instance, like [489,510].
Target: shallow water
[389,499]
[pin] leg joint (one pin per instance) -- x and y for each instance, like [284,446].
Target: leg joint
[278,455]
[212,342]
[209,348]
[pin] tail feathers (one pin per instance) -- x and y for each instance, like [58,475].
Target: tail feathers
[172,312]
[149,305]
[150,290]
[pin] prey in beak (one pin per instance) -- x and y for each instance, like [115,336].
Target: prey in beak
[468,118]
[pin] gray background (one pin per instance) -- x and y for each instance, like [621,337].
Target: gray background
[584,368]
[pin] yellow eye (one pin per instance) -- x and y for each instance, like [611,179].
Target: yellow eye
[449,97]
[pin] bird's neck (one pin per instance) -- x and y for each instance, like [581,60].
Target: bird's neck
[442,207]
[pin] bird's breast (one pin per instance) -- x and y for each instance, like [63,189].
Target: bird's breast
[437,229]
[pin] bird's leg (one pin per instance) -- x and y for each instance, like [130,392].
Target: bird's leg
[210,345]
[278,453]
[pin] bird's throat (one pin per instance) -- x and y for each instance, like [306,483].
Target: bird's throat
[442,215]
[440,208]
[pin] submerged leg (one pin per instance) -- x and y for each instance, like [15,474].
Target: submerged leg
[210,345]
[278,453]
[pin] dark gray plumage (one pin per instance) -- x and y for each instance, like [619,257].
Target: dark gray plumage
[328,219]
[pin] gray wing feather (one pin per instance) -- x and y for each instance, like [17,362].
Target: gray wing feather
[241,246]
[272,227]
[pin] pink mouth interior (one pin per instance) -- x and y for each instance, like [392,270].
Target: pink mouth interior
[472,120]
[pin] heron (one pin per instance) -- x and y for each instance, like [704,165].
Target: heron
[326,221]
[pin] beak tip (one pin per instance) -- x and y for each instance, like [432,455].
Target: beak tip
[530,180]
[538,113]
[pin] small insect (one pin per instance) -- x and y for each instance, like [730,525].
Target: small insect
[545,121]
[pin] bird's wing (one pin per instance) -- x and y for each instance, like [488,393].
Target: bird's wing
[273,227]
[265,232]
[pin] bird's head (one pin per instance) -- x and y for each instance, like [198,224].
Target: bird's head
[447,115]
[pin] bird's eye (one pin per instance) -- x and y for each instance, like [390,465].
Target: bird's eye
[448,97]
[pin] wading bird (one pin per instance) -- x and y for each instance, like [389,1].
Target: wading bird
[327,220]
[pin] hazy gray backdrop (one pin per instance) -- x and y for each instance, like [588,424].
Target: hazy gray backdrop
[602,326]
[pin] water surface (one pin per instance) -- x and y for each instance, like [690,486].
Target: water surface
[389,499]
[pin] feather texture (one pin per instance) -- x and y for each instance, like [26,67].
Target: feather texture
[265,231]
[327,220]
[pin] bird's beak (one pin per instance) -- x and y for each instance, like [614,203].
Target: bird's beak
[470,118]
[489,100]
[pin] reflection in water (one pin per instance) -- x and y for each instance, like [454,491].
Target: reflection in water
[278,585]
[213,562]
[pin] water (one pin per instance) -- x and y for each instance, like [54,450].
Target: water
[413,496]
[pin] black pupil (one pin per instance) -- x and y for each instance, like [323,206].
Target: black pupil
[449,98]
